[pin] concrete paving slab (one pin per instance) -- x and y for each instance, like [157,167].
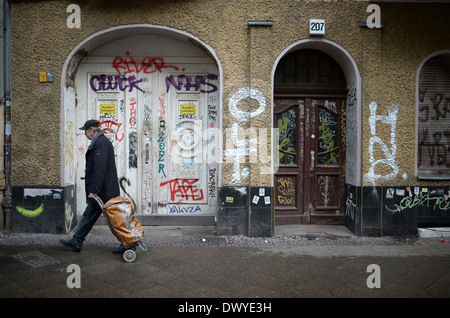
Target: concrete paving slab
[443,232]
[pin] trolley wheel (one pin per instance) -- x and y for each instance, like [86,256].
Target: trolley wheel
[129,256]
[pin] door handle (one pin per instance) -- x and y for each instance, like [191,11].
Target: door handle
[312,160]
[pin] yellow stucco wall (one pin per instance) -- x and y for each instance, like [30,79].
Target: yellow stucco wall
[387,60]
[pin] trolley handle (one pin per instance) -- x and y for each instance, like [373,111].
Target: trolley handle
[97,198]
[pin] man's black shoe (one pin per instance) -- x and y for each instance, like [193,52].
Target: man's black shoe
[70,245]
[119,250]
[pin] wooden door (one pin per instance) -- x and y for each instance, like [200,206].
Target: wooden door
[289,119]
[309,182]
[327,161]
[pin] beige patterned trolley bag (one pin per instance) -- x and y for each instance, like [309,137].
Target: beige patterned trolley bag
[119,213]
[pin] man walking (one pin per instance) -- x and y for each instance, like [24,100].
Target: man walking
[100,179]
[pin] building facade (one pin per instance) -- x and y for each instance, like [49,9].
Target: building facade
[243,114]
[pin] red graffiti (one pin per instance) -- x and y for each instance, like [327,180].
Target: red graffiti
[133,112]
[111,127]
[148,65]
[184,188]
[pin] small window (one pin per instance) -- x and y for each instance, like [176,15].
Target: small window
[309,67]
[433,119]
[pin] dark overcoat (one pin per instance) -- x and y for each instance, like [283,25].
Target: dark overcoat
[101,172]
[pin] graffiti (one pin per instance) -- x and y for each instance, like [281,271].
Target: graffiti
[30,213]
[212,183]
[133,112]
[244,93]
[433,139]
[81,150]
[439,112]
[37,196]
[350,207]
[245,147]
[111,128]
[212,115]
[162,109]
[343,129]
[184,189]
[331,106]
[286,190]
[421,199]
[285,200]
[436,148]
[326,189]
[68,216]
[390,155]
[69,144]
[132,155]
[106,83]
[186,83]
[286,186]
[161,153]
[184,209]
[327,136]
[287,137]
[161,136]
[148,65]
[351,135]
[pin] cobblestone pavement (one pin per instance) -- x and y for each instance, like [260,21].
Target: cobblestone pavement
[286,236]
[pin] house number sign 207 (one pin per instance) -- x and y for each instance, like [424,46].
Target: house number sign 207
[316,26]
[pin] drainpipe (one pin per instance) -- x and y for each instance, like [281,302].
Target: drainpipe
[5,105]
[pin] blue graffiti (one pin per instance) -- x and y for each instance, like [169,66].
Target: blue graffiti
[105,83]
[190,84]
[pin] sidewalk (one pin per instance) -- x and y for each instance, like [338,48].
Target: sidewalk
[193,262]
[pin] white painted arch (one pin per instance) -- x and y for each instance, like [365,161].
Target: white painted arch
[90,43]
[354,85]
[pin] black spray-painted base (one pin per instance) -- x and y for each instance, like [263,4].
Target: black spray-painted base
[396,210]
[43,209]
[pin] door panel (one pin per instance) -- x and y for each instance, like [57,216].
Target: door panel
[186,175]
[164,135]
[309,184]
[289,120]
[327,176]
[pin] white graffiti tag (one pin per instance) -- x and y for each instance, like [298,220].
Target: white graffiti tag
[390,155]
[243,147]
[241,94]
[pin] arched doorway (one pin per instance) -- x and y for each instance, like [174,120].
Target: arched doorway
[157,94]
[309,111]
